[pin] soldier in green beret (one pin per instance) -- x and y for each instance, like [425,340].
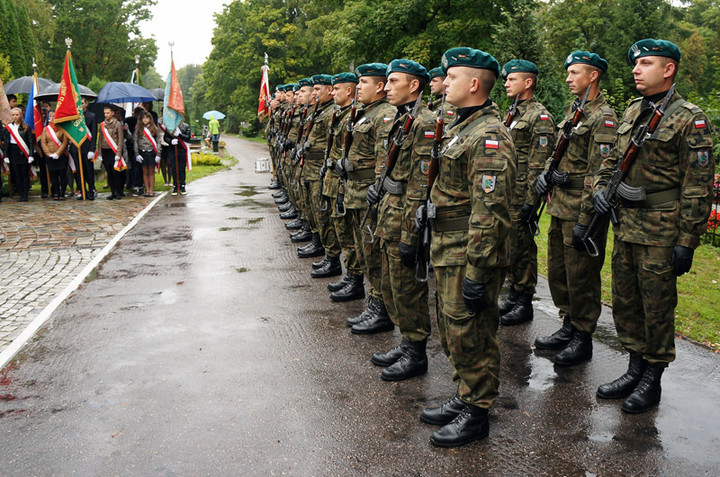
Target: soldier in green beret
[656,236]
[304,102]
[405,188]
[470,244]
[574,276]
[362,163]
[437,90]
[533,131]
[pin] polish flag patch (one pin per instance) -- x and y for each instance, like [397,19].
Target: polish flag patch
[490,144]
[429,134]
[699,124]
[609,123]
[386,120]
[544,117]
[450,113]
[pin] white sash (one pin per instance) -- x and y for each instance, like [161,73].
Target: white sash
[13,129]
[108,139]
[152,140]
[53,136]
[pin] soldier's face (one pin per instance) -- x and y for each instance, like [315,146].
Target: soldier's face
[579,78]
[324,94]
[368,89]
[436,85]
[653,74]
[342,94]
[457,86]
[398,88]
[514,84]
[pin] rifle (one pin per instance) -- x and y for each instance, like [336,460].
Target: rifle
[552,176]
[512,111]
[390,161]
[304,139]
[347,142]
[328,148]
[616,188]
[422,265]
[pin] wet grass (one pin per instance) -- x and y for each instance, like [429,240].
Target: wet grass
[247,191]
[256,220]
[247,203]
[242,270]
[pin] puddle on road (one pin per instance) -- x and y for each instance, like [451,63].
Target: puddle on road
[247,203]
[176,204]
[542,374]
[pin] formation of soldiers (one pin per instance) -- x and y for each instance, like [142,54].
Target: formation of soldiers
[368,171]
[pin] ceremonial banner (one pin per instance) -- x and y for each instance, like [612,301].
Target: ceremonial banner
[68,114]
[33,118]
[174,105]
[264,98]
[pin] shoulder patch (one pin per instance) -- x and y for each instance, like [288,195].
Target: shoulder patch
[544,117]
[703,158]
[491,144]
[488,183]
[700,124]
[609,123]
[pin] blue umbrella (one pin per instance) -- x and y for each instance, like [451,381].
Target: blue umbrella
[124,93]
[216,114]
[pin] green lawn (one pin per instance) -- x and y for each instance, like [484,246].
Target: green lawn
[697,315]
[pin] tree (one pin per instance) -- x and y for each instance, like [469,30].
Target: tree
[152,79]
[10,40]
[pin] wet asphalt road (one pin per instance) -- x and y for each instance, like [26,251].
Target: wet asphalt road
[202,347]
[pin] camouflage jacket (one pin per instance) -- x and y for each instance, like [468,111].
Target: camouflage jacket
[448,109]
[315,153]
[295,124]
[372,125]
[533,133]
[396,213]
[474,183]
[332,180]
[678,156]
[589,145]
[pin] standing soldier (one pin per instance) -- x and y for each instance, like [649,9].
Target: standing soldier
[574,276]
[437,90]
[533,131]
[655,237]
[470,243]
[403,190]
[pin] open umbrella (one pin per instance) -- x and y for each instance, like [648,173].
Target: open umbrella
[22,85]
[51,92]
[159,93]
[124,93]
[216,114]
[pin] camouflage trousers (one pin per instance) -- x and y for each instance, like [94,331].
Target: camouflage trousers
[470,341]
[369,255]
[321,222]
[406,299]
[523,258]
[644,300]
[344,232]
[574,276]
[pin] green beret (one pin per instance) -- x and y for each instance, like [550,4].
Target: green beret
[279,87]
[294,87]
[518,66]
[436,72]
[371,69]
[325,80]
[305,82]
[587,58]
[470,57]
[410,67]
[650,47]
[344,78]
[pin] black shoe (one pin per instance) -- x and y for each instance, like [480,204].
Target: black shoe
[290,214]
[470,425]
[321,263]
[354,289]
[557,340]
[182,190]
[509,302]
[625,384]
[333,268]
[378,322]
[279,193]
[577,351]
[302,235]
[174,192]
[111,197]
[282,199]
[286,206]
[522,312]
[365,315]
[340,284]
[443,414]
[44,196]
[313,249]
[274,185]
[295,224]
[412,363]
[389,358]
[647,393]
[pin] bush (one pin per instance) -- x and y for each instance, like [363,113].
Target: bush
[204,159]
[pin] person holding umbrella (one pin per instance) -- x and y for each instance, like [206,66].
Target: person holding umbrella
[214,129]
[147,150]
[18,153]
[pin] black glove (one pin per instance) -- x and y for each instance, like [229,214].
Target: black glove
[578,233]
[526,212]
[602,206]
[408,255]
[323,171]
[541,185]
[372,195]
[420,218]
[473,294]
[681,260]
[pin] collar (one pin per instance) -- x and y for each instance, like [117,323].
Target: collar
[463,113]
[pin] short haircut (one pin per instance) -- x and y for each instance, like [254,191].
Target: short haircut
[487,78]
[533,77]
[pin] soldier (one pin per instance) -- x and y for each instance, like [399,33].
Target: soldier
[404,189]
[361,163]
[655,237]
[437,90]
[574,276]
[304,100]
[292,93]
[470,243]
[533,131]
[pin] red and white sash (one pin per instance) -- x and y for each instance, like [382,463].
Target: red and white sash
[121,166]
[186,146]
[56,141]
[12,128]
[152,141]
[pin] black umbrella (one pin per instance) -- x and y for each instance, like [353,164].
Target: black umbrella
[51,92]
[159,93]
[23,85]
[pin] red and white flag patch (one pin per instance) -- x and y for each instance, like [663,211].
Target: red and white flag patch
[699,124]
[544,117]
[450,113]
[490,144]
[429,134]
[609,123]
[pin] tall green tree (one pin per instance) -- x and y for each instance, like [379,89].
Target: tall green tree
[10,40]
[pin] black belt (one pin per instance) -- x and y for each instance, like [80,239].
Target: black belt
[362,174]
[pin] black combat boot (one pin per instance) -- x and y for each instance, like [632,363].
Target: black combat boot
[354,289]
[286,206]
[377,322]
[332,268]
[577,351]
[278,193]
[509,302]
[470,425]
[647,393]
[443,414]
[321,263]
[412,363]
[295,224]
[313,249]
[292,213]
[366,314]
[557,340]
[282,199]
[522,312]
[625,384]
[386,359]
[340,284]
[302,235]
[274,185]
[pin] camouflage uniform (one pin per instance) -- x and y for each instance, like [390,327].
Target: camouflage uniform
[675,167]
[297,189]
[574,276]
[364,161]
[533,133]
[406,298]
[470,239]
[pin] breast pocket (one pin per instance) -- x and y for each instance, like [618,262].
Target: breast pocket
[453,169]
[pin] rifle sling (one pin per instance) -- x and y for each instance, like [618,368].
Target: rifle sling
[654,199]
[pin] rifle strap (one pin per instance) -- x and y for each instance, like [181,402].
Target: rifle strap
[466,130]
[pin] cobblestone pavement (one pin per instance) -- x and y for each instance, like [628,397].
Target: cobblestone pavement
[44,244]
